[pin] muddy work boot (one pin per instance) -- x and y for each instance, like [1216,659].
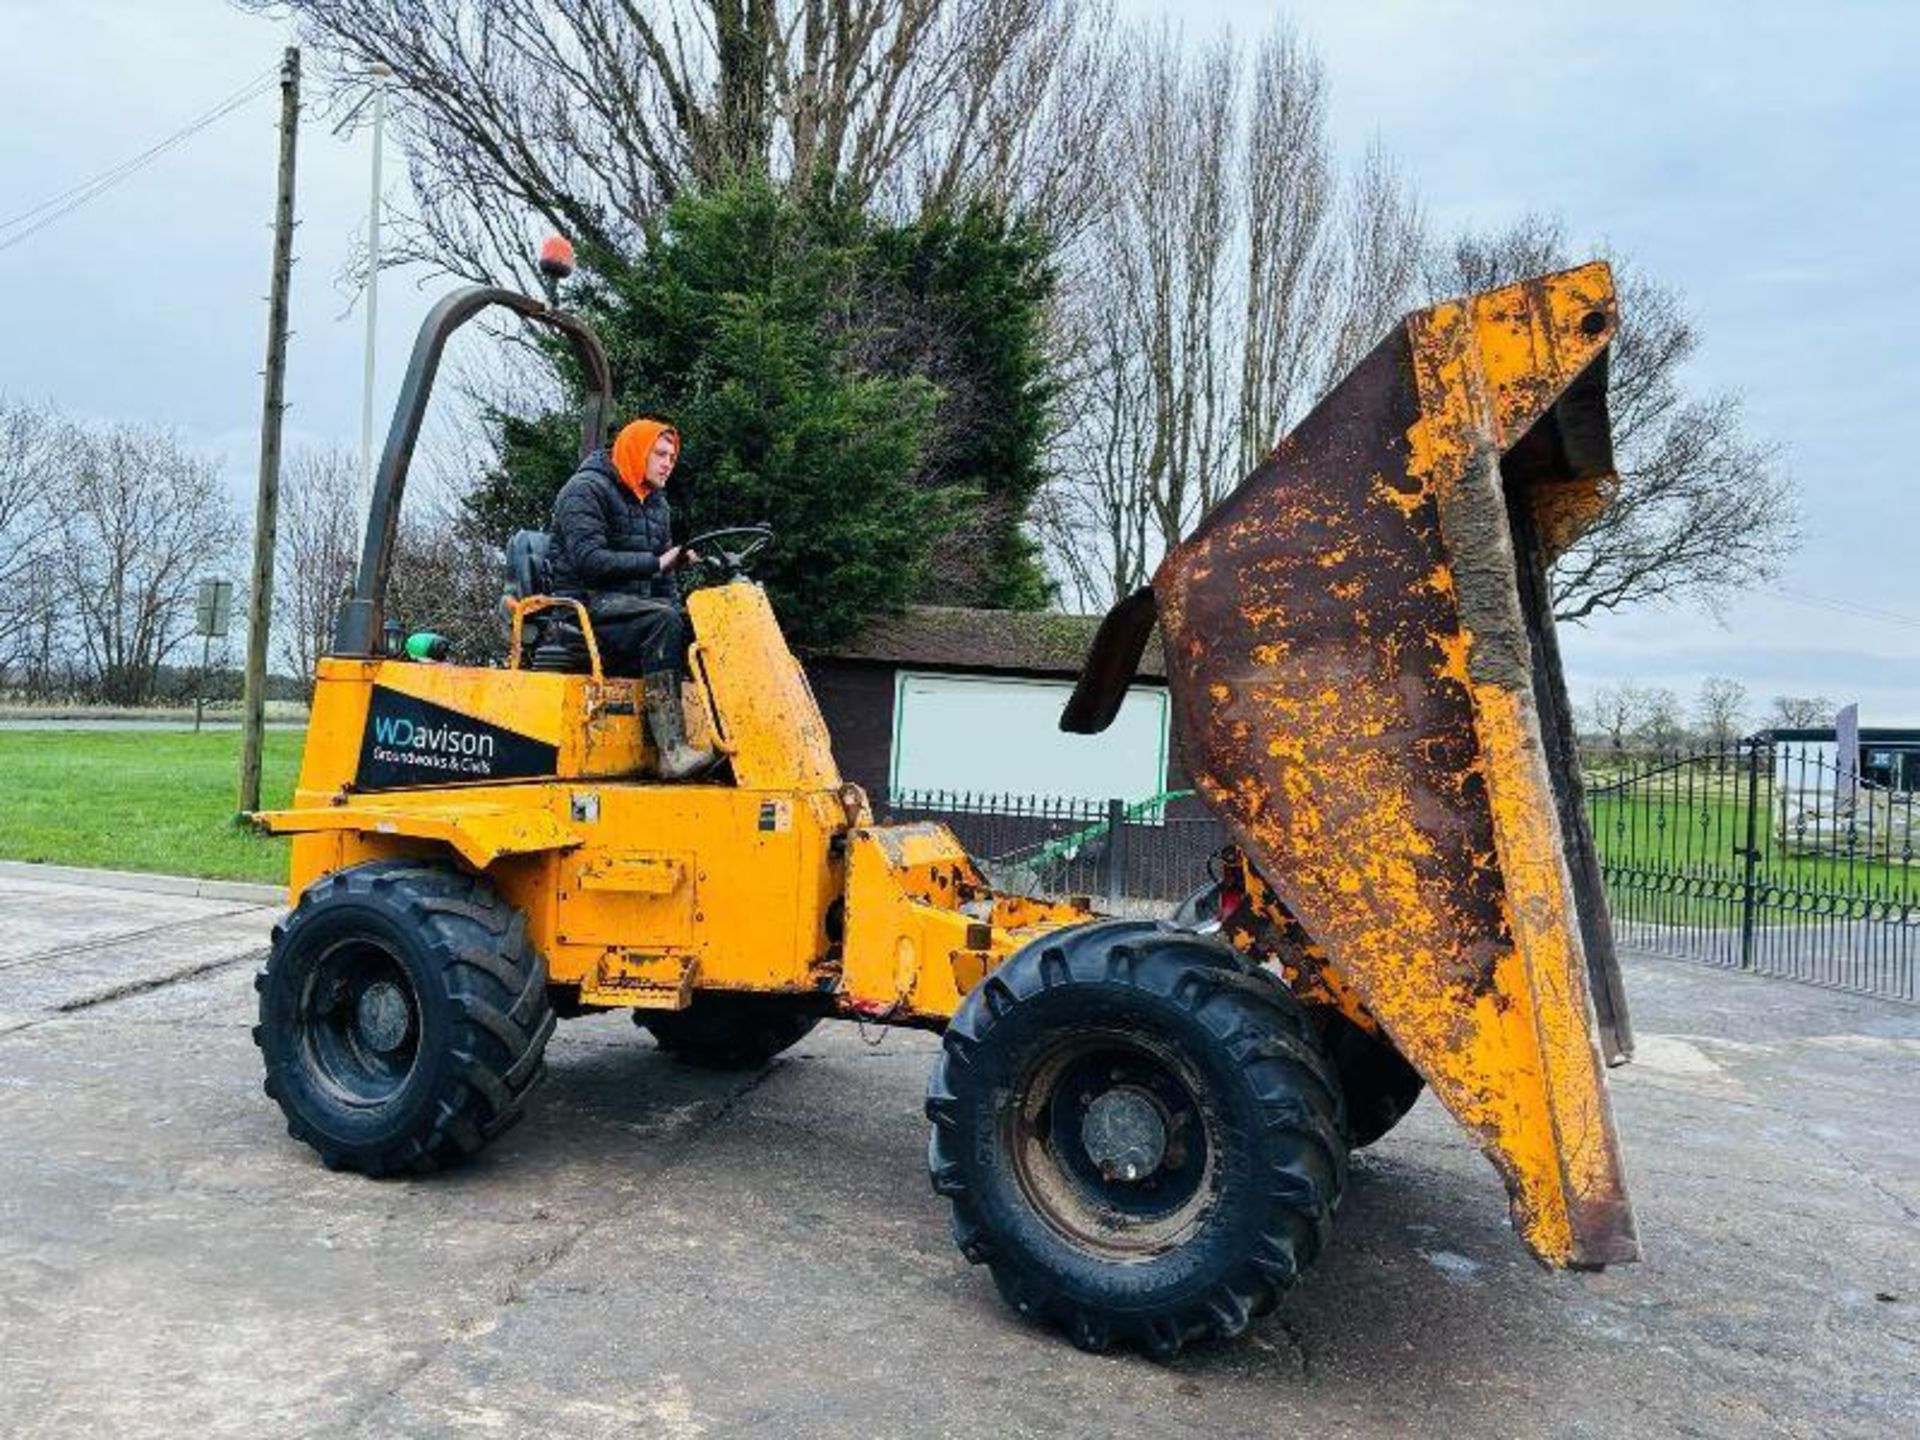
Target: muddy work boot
[667,726]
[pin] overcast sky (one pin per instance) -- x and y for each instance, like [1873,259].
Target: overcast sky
[1759,157]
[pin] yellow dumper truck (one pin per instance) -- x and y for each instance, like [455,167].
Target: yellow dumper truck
[1142,1126]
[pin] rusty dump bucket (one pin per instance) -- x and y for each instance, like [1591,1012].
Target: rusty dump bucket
[1367,687]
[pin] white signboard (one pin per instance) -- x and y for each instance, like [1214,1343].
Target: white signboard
[993,736]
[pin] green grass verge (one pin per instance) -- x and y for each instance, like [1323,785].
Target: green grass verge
[151,800]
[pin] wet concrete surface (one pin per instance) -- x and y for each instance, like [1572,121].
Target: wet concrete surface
[657,1251]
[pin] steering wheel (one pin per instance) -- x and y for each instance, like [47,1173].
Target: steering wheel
[730,552]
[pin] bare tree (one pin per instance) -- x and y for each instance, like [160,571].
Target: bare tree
[1291,189]
[141,520]
[1661,726]
[1233,277]
[448,579]
[1380,242]
[1618,711]
[1167,245]
[1802,712]
[589,115]
[319,544]
[1096,520]
[1720,709]
[30,441]
[1704,509]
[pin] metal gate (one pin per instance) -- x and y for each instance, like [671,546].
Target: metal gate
[1777,857]
[1764,855]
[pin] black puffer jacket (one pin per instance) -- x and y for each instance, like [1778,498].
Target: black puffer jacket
[605,542]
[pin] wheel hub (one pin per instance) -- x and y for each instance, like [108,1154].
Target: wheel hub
[1125,1133]
[1108,1139]
[381,1016]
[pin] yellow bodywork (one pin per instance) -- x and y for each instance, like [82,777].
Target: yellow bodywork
[637,893]
[923,928]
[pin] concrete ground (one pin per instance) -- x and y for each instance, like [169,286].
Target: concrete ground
[661,1252]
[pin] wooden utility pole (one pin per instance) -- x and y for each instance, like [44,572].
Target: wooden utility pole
[266,508]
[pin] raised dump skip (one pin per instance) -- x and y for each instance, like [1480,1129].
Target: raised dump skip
[1368,691]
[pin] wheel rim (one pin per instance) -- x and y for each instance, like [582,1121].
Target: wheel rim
[1111,1144]
[359,1023]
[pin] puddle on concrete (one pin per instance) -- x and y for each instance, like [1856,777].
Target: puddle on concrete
[1453,1265]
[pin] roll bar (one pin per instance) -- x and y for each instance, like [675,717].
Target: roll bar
[357,632]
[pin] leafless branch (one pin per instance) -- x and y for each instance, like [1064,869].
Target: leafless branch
[1704,509]
[142,520]
[318,544]
[1232,274]
[589,115]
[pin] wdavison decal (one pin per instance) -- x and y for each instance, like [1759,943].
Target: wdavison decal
[416,742]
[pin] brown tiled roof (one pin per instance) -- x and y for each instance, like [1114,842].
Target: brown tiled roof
[950,638]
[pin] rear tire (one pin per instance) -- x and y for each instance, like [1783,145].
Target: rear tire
[403,1017]
[721,1031]
[1143,1140]
[1380,1085]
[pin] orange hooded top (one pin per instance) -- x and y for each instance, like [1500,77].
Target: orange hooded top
[633,445]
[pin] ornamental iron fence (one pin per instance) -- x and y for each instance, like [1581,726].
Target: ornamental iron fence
[1772,856]
[1151,852]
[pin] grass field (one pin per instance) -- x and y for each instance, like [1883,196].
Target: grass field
[1701,837]
[1706,835]
[143,800]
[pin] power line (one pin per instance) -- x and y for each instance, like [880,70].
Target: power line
[257,85]
[1848,607]
[31,221]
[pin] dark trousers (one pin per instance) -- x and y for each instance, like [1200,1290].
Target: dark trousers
[639,636]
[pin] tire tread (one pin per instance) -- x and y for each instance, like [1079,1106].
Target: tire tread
[494,983]
[1294,1083]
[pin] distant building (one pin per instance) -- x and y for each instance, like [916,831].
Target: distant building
[1889,759]
[1866,811]
[969,701]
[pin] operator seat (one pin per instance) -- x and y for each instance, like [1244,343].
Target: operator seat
[551,637]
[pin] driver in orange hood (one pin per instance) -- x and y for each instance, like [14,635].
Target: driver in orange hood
[613,548]
[644,454]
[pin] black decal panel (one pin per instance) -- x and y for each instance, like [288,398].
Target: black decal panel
[410,742]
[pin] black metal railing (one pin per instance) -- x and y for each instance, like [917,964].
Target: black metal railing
[1151,850]
[1763,855]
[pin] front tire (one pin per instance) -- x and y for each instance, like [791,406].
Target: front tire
[403,1017]
[1143,1140]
